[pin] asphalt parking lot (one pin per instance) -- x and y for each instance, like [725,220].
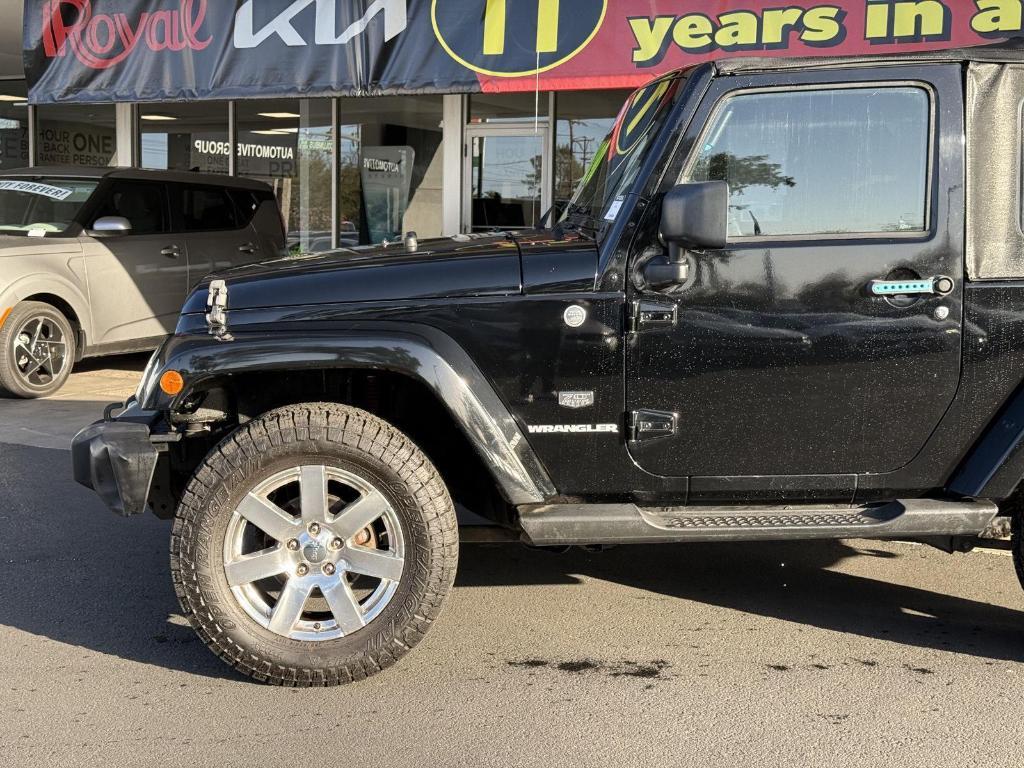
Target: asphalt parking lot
[823,654]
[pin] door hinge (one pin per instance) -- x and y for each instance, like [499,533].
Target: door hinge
[649,315]
[651,425]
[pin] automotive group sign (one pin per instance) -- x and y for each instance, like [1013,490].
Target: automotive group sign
[149,50]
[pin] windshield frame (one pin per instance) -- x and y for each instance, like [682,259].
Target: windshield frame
[9,184]
[600,195]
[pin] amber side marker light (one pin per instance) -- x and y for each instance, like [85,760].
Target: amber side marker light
[4,315]
[172,383]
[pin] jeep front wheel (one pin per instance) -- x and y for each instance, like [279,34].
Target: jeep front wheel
[314,546]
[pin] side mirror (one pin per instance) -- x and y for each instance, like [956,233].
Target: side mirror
[696,215]
[112,225]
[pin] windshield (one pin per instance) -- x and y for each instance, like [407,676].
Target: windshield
[41,206]
[619,157]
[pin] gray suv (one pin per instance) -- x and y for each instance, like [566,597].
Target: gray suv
[99,261]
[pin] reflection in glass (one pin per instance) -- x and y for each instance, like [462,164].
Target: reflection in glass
[837,161]
[76,134]
[185,136]
[288,144]
[506,181]
[13,124]
[585,118]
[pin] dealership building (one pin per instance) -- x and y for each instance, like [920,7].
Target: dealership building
[371,118]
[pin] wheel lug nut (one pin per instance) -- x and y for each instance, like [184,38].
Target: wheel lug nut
[329,569]
[337,543]
[293,545]
[314,528]
[302,570]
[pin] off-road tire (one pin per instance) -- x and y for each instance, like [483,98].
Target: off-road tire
[1017,536]
[11,381]
[347,438]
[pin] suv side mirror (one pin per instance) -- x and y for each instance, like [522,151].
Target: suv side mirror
[696,215]
[112,225]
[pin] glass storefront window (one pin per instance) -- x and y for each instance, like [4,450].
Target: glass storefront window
[584,118]
[389,168]
[289,145]
[76,134]
[184,136]
[506,179]
[13,124]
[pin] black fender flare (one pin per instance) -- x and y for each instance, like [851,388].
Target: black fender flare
[420,352]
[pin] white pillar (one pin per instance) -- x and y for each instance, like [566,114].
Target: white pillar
[124,127]
[454,118]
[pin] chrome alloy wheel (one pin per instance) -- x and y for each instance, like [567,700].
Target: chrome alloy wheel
[40,351]
[314,553]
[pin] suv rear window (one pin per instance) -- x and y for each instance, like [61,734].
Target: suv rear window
[837,161]
[207,208]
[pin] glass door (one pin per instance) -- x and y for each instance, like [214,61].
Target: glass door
[507,182]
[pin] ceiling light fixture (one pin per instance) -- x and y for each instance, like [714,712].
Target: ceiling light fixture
[280,115]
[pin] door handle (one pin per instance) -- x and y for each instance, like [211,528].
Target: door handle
[171,251]
[940,285]
[248,248]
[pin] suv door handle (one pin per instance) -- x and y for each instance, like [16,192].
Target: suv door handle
[248,248]
[171,251]
[940,285]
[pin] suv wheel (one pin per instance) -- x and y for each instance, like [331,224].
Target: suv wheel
[314,546]
[37,350]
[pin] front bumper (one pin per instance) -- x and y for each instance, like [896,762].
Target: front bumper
[117,458]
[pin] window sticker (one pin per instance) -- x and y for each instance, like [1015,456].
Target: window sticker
[35,188]
[614,208]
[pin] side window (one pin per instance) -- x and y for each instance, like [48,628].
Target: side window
[820,162]
[139,202]
[208,208]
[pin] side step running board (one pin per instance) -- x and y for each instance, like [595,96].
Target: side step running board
[564,524]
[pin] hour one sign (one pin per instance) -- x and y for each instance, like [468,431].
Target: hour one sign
[144,50]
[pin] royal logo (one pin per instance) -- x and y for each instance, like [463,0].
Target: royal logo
[100,40]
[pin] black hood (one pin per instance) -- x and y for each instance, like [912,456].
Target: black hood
[442,268]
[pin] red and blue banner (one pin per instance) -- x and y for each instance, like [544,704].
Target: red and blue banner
[153,50]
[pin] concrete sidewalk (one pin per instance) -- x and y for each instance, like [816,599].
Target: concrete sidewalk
[53,421]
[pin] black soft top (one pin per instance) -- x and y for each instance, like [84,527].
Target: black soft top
[1010,52]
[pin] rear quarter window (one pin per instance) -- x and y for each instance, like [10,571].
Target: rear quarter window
[208,209]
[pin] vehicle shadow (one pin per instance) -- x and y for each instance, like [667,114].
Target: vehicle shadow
[792,581]
[74,573]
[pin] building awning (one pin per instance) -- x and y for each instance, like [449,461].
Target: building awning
[157,50]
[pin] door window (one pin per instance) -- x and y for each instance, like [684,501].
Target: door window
[821,162]
[207,209]
[506,181]
[141,203]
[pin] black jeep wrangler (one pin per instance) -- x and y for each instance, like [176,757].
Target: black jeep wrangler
[786,302]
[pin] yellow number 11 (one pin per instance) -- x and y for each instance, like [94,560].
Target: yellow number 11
[494,26]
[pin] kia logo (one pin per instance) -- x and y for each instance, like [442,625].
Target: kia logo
[326,30]
[102,40]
